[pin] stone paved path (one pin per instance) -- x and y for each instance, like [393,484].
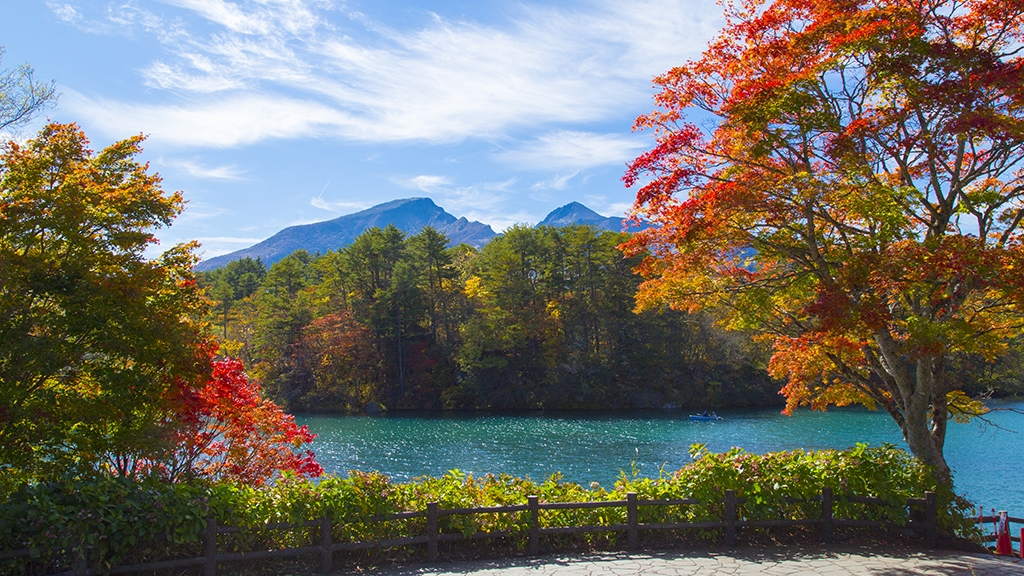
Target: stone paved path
[834,561]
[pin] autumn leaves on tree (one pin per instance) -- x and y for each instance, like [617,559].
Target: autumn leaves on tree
[105,357]
[845,177]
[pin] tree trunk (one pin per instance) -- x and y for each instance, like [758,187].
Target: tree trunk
[920,433]
[918,390]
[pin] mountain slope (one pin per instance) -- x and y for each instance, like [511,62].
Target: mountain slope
[576,213]
[409,215]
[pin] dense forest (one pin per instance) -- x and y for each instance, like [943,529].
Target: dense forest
[538,318]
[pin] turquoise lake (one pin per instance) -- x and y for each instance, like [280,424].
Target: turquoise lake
[585,447]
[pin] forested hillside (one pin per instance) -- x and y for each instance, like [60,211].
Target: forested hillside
[539,318]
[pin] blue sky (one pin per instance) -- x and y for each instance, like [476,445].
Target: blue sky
[269,113]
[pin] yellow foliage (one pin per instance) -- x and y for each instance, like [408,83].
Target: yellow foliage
[962,407]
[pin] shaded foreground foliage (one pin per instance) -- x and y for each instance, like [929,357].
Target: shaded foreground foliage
[117,521]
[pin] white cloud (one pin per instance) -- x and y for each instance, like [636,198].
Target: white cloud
[600,204]
[492,203]
[127,15]
[503,221]
[557,182]
[116,18]
[65,12]
[217,245]
[161,75]
[197,170]
[257,18]
[569,149]
[216,122]
[444,81]
[426,183]
[229,240]
[226,14]
[487,202]
[340,206]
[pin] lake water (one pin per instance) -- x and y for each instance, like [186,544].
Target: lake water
[987,461]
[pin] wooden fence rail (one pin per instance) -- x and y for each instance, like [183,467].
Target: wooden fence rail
[325,547]
[983,520]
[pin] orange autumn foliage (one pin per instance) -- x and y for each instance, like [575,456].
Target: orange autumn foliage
[846,178]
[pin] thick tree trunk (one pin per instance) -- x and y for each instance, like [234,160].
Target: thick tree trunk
[919,432]
[918,390]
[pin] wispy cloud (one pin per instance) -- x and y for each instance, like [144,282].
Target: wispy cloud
[317,73]
[557,182]
[211,246]
[195,169]
[490,202]
[426,183]
[229,240]
[216,122]
[119,18]
[339,206]
[198,211]
[486,202]
[66,12]
[600,203]
[257,18]
[569,149]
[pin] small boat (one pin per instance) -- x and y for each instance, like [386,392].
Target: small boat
[705,417]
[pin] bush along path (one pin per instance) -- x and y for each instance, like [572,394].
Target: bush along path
[103,523]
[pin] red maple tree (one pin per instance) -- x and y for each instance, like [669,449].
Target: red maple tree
[845,176]
[225,430]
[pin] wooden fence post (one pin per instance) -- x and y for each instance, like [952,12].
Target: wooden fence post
[826,515]
[326,544]
[930,518]
[631,514]
[534,503]
[432,531]
[730,517]
[210,548]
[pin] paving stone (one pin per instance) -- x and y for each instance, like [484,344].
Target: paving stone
[740,562]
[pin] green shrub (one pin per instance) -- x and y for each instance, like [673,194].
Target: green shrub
[116,521]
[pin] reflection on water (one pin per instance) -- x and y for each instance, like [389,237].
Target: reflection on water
[585,447]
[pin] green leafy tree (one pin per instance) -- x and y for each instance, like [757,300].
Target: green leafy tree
[93,334]
[236,281]
[510,344]
[284,305]
[339,365]
[429,252]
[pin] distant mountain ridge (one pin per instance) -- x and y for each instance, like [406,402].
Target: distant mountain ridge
[576,213]
[410,215]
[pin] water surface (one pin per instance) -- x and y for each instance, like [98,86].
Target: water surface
[589,447]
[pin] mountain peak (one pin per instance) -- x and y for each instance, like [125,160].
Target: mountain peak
[576,213]
[409,215]
[417,201]
[571,212]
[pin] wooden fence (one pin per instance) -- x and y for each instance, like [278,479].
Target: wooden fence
[988,520]
[730,523]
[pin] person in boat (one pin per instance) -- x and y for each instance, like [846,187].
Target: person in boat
[705,414]
[713,415]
